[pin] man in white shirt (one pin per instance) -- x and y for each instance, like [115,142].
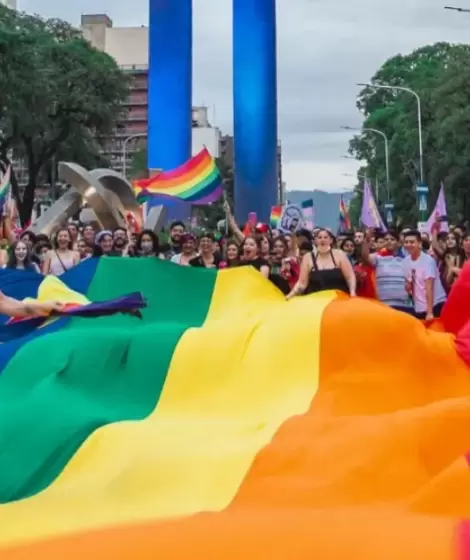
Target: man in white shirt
[422,279]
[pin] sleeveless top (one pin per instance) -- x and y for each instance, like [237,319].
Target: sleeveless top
[326,279]
[61,263]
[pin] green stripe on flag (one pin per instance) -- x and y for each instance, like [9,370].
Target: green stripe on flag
[60,388]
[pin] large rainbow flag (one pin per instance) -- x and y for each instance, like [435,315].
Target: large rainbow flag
[198,181]
[229,423]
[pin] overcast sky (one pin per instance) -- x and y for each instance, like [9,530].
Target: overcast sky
[325,47]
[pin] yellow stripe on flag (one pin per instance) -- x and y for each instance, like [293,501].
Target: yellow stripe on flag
[231,384]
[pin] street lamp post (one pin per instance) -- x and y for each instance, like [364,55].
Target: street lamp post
[124,146]
[420,127]
[387,156]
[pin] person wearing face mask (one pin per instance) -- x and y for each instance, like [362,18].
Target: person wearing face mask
[41,250]
[147,244]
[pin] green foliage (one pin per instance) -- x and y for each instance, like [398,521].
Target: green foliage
[440,74]
[138,169]
[58,93]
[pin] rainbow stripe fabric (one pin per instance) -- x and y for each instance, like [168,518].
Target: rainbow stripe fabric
[344,221]
[229,423]
[5,187]
[276,213]
[198,181]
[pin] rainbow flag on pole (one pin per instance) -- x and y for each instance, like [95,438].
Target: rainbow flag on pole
[198,181]
[5,189]
[276,213]
[344,221]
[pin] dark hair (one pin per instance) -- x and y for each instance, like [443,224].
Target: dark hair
[206,235]
[232,243]
[153,236]
[306,246]
[255,239]
[56,236]
[42,238]
[393,233]
[12,260]
[29,234]
[305,233]
[120,229]
[320,230]
[346,240]
[261,236]
[177,223]
[413,233]
[283,240]
[41,244]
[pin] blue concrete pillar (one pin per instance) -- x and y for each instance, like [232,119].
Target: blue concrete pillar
[255,107]
[169,84]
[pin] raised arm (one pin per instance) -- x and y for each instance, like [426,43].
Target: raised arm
[14,308]
[236,231]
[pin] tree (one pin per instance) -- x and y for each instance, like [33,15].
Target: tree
[58,93]
[440,74]
[138,168]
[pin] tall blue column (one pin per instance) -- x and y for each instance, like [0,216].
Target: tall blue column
[169,84]
[255,107]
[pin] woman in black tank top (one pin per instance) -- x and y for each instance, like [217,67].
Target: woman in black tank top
[325,269]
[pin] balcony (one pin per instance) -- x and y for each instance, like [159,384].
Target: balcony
[135,69]
[124,133]
[139,85]
[141,102]
[137,117]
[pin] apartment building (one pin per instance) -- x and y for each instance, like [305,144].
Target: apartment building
[129,47]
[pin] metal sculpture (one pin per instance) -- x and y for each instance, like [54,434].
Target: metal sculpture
[103,196]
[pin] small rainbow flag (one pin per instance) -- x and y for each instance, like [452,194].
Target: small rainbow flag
[276,213]
[5,187]
[198,181]
[344,221]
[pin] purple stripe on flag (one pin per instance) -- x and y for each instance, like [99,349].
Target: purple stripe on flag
[370,215]
[122,304]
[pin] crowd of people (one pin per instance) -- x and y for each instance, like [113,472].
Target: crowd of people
[406,270]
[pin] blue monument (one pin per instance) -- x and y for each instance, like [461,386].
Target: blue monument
[254,96]
[255,107]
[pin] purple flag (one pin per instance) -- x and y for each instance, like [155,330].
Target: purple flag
[439,210]
[370,215]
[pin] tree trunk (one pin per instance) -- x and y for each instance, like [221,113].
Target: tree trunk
[26,207]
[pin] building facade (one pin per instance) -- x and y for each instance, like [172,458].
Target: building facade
[129,47]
